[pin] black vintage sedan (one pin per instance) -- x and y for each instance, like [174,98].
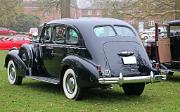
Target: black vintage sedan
[84,53]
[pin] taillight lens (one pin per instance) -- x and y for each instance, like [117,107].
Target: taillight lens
[157,66]
[98,67]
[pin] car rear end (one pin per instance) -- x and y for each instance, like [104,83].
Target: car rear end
[121,56]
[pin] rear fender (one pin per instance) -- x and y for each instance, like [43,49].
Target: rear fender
[87,74]
[13,55]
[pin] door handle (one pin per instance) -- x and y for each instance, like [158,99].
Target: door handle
[125,53]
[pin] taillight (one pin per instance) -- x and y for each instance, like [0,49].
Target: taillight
[157,66]
[98,67]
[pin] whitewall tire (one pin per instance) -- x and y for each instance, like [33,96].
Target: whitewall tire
[70,86]
[12,74]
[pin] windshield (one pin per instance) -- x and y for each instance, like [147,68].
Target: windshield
[175,30]
[109,31]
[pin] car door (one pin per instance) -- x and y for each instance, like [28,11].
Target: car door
[46,50]
[163,46]
[58,49]
[64,41]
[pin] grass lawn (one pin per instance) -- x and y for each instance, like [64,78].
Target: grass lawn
[35,96]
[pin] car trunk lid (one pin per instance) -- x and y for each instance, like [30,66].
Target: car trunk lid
[126,57]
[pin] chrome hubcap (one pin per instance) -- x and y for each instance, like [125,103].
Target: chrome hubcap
[12,72]
[70,84]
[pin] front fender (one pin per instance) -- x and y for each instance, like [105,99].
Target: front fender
[87,74]
[27,48]
[13,55]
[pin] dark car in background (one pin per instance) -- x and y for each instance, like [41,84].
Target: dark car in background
[6,31]
[164,49]
[84,53]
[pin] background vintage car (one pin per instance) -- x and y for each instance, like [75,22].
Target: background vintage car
[164,48]
[84,53]
[6,31]
[7,43]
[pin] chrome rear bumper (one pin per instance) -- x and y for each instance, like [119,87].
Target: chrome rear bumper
[137,79]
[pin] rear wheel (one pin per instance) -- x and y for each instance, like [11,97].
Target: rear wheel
[13,77]
[134,88]
[70,87]
[169,75]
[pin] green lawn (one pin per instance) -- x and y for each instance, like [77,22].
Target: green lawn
[35,96]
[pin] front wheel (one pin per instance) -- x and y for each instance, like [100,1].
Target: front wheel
[70,87]
[134,88]
[13,77]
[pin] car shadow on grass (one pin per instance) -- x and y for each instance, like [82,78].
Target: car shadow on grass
[92,95]
[175,78]
[42,86]
[111,95]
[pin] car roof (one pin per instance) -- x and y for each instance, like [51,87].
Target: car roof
[93,21]
[174,22]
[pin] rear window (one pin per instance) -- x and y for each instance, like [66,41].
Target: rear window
[124,31]
[104,31]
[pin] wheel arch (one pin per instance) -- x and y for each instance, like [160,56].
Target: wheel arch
[29,51]
[87,74]
[13,55]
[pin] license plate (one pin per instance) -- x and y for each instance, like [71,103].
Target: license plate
[129,60]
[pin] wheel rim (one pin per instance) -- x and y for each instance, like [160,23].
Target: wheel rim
[12,73]
[70,84]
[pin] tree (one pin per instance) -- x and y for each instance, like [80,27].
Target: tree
[63,5]
[25,22]
[177,6]
[142,9]
[112,8]
[9,9]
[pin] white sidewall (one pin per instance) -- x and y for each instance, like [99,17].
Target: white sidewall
[9,79]
[68,95]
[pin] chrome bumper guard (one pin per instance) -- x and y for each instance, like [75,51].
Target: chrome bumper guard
[137,79]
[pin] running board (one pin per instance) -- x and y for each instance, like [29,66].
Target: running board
[45,79]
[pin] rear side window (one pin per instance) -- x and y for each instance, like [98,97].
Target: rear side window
[124,31]
[104,31]
[59,34]
[72,37]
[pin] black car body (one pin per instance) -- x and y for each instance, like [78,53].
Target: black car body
[84,53]
[164,49]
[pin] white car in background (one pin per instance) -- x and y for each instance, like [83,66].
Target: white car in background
[144,35]
[150,33]
[147,34]
[33,31]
